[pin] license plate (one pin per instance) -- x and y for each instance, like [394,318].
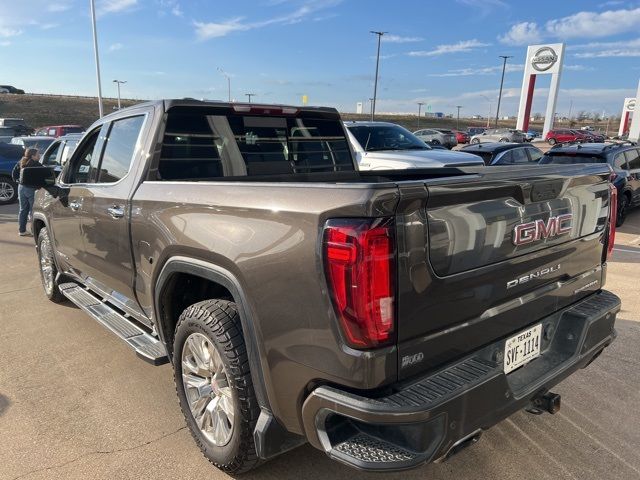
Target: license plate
[522,348]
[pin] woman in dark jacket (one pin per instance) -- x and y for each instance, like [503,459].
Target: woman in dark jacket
[31,158]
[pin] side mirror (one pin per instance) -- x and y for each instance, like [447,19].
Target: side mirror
[38,177]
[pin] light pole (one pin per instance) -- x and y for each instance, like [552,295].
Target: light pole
[249,95]
[504,66]
[375,83]
[95,51]
[570,108]
[119,82]
[371,107]
[490,102]
[419,108]
[458,119]
[228,82]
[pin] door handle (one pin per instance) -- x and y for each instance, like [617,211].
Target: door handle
[116,211]
[75,206]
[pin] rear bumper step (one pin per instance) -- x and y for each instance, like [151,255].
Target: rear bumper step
[431,418]
[147,347]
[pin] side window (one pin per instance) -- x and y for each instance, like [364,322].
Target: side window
[506,158]
[69,147]
[120,146]
[534,154]
[49,157]
[620,162]
[519,156]
[633,157]
[85,163]
[51,132]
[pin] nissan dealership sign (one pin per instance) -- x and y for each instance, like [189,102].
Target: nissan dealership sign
[630,104]
[544,59]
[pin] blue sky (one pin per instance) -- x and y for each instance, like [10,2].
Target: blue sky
[441,53]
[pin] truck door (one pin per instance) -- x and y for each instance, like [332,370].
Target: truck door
[108,266]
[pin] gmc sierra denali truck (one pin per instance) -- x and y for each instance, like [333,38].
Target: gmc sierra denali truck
[387,318]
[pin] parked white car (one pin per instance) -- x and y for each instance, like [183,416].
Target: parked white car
[503,135]
[387,146]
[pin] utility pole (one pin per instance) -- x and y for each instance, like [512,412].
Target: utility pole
[95,51]
[504,66]
[490,102]
[419,108]
[228,82]
[458,119]
[375,83]
[249,95]
[119,82]
[570,108]
[371,107]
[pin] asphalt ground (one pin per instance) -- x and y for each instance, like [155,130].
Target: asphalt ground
[76,403]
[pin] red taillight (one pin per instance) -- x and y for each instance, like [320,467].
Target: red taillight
[613,217]
[360,267]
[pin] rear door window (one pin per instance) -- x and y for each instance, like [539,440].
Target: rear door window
[534,154]
[200,146]
[633,158]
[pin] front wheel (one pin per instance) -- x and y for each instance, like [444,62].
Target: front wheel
[475,141]
[213,382]
[8,191]
[48,268]
[551,141]
[504,140]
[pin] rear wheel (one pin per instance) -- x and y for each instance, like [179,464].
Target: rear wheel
[551,141]
[435,142]
[213,382]
[504,140]
[8,191]
[623,207]
[475,140]
[48,267]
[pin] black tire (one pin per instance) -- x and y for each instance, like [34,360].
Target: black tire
[46,259]
[435,142]
[623,208]
[552,141]
[219,322]
[8,191]
[475,141]
[504,140]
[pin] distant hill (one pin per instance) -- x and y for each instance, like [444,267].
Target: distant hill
[39,110]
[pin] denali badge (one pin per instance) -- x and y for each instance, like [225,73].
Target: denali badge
[531,276]
[540,230]
[409,360]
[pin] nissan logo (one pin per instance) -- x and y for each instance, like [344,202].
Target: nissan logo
[631,104]
[544,59]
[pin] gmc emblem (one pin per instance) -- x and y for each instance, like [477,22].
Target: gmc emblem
[539,230]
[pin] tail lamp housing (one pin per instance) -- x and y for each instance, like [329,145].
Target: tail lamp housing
[359,261]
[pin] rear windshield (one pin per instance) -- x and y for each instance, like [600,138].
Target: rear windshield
[568,158]
[199,146]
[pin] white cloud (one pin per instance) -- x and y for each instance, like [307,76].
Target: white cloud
[7,32]
[628,48]
[58,7]
[399,39]
[468,72]
[5,43]
[207,30]
[115,6]
[579,25]
[115,47]
[523,33]
[593,24]
[462,46]
[177,11]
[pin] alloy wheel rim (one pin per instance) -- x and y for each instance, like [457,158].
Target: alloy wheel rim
[207,389]
[46,264]
[6,191]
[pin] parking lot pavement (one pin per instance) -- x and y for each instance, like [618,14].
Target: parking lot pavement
[76,403]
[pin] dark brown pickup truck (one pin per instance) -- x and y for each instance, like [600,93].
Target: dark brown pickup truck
[387,318]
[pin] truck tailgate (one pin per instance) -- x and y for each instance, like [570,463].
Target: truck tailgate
[483,256]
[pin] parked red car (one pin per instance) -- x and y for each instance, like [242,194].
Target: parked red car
[462,137]
[563,135]
[59,130]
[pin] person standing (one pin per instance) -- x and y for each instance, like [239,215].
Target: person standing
[26,195]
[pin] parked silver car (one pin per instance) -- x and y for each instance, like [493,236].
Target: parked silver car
[499,135]
[387,146]
[437,136]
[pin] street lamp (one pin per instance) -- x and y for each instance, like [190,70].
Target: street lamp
[95,52]
[458,119]
[119,82]
[375,83]
[419,108]
[490,102]
[249,95]
[228,82]
[504,66]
